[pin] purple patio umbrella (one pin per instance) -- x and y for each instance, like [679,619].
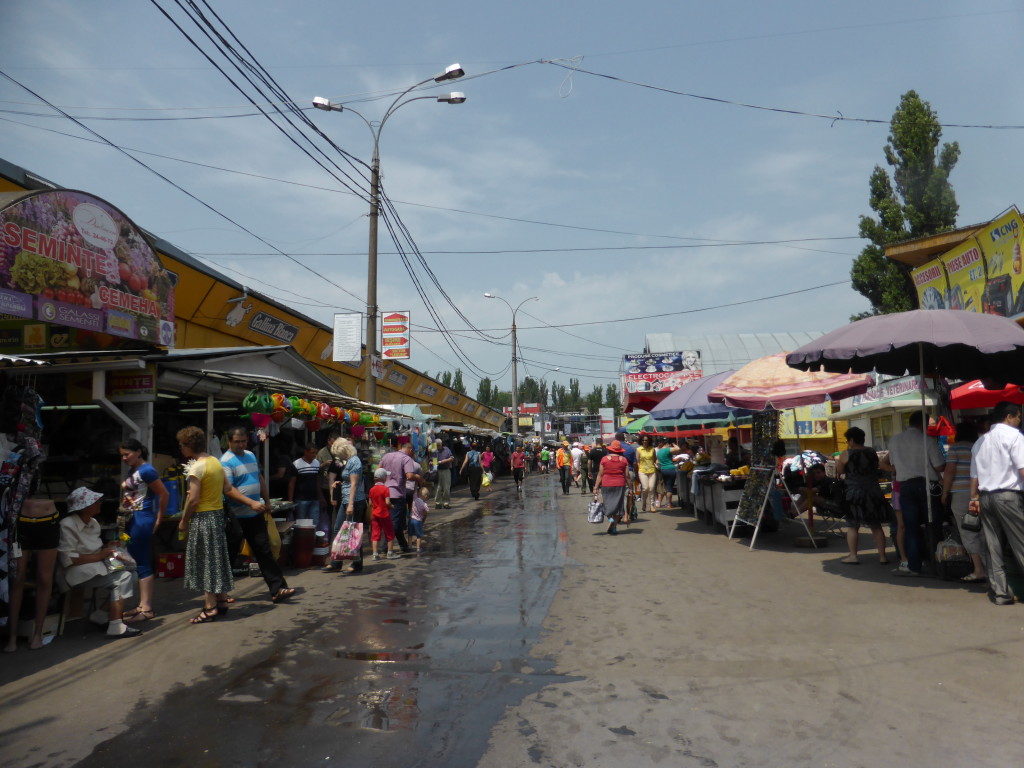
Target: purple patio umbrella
[946,342]
[691,400]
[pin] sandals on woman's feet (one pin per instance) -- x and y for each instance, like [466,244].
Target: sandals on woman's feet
[138,617]
[204,617]
[223,606]
[282,595]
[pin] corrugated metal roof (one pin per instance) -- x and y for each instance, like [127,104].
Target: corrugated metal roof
[723,352]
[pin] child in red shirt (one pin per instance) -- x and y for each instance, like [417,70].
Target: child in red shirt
[381,520]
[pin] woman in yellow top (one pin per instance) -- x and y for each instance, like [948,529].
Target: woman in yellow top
[207,563]
[647,469]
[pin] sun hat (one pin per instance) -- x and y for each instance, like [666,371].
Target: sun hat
[381,474]
[616,447]
[80,498]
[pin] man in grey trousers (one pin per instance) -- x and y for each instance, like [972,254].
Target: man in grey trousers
[997,490]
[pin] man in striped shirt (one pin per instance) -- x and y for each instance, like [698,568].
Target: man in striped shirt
[243,473]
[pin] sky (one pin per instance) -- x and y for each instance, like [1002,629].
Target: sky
[615,163]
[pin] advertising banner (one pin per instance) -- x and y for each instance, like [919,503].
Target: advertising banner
[805,421]
[930,281]
[660,372]
[1000,244]
[395,335]
[348,338]
[70,259]
[965,271]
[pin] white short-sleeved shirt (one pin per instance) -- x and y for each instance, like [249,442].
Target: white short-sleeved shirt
[997,458]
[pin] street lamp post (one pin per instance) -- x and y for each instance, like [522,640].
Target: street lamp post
[451,72]
[515,378]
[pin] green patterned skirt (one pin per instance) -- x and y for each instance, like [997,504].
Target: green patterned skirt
[207,564]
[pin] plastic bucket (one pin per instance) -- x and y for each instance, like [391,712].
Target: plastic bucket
[302,546]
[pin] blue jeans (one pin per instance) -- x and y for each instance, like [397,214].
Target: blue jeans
[914,508]
[306,509]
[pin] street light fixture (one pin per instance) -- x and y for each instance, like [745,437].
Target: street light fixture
[515,382]
[451,72]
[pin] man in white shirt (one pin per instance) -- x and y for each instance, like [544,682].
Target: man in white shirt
[997,492]
[918,461]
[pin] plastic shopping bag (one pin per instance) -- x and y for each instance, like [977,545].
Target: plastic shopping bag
[348,541]
[595,512]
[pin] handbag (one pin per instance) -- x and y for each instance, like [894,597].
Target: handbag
[595,512]
[971,522]
[347,543]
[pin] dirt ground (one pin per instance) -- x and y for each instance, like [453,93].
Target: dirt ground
[691,649]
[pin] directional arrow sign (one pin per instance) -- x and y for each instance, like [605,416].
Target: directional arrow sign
[396,317]
[403,353]
[391,329]
[401,341]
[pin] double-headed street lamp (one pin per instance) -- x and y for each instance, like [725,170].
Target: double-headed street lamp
[515,382]
[451,72]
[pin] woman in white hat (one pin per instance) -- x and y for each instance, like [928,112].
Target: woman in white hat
[88,560]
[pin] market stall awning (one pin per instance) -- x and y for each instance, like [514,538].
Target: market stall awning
[908,402]
[233,372]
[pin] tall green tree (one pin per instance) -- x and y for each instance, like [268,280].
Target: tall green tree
[594,399]
[457,384]
[485,392]
[445,377]
[917,200]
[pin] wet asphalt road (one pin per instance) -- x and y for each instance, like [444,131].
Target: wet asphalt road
[415,673]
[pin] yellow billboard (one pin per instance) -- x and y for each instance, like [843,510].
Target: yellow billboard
[805,421]
[930,281]
[1000,244]
[965,270]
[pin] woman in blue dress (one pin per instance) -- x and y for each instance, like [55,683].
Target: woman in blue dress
[144,496]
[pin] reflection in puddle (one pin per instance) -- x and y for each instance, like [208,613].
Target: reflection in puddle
[385,656]
[395,621]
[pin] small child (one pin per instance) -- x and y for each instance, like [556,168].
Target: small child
[380,523]
[419,517]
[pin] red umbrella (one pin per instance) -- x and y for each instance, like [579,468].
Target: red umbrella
[975,395]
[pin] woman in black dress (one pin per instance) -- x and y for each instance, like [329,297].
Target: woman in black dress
[865,502]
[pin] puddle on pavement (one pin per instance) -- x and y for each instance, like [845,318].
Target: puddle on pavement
[403,658]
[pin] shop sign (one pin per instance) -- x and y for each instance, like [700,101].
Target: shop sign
[451,399]
[71,259]
[469,407]
[396,335]
[1004,283]
[398,378]
[805,421]
[347,343]
[427,390]
[523,408]
[268,325]
[128,386]
[660,372]
[930,281]
[888,389]
[965,271]
[376,368]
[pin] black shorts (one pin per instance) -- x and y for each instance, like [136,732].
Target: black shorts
[44,534]
[517,474]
